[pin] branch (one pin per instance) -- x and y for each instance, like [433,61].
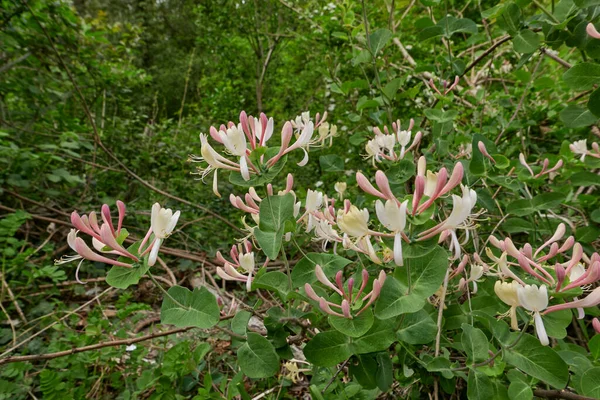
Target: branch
[556,58]
[559,394]
[486,53]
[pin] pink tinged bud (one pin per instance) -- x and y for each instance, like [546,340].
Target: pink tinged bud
[93,222]
[462,265]
[234,253]
[321,277]
[422,166]
[289,183]
[106,217]
[567,244]
[346,309]
[560,276]
[78,223]
[377,131]
[373,295]
[499,244]
[442,177]
[575,257]
[366,186]
[325,307]
[310,292]
[416,141]
[528,251]
[84,251]
[221,273]
[558,166]
[456,80]
[524,263]
[411,124]
[250,201]
[365,279]
[270,189]
[455,178]
[121,207]
[558,234]
[596,325]
[591,300]
[432,86]
[220,259]
[553,252]
[591,30]
[524,163]
[384,185]
[109,240]
[350,288]
[418,195]
[483,150]
[215,134]
[338,280]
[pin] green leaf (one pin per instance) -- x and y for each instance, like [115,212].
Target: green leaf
[526,41]
[385,371]
[594,103]
[328,349]
[275,281]
[198,308]
[546,201]
[239,323]
[590,383]
[122,277]
[426,275]
[582,76]
[475,343]
[304,271]
[479,386]
[585,178]
[257,357]
[354,327]
[378,338]
[364,369]
[270,242]
[331,163]
[417,328]
[441,364]
[520,391]
[510,20]
[574,116]
[556,323]
[378,39]
[517,225]
[539,361]
[594,345]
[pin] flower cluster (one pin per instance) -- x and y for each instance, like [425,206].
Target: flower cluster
[242,266]
[247,142]
[580,270]
[383,145]
[351,298]
[579,148]
[108,240]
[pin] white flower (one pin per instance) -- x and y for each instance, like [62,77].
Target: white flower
[461,208]
[340,188]
[579,148]
[430,183]
[314,200]
[535,299]
[131,347]
[163,222]
[234,140]
[354,222]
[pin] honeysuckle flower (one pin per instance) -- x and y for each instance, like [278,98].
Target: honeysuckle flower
[163,221]
[591,30]
[340,188]
[361,245]
[579,147]
[475,273]
[353,221]
[591,300]
[243,259]
[461,210]
[350,296]
[446,86]
[382,146]
[393,217]
[434,185]
[507,292]
[535,299]
[483,150]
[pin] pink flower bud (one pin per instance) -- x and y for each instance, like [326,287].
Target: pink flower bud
[596,325]
[366,186]
[560,276]
[591,30]
[384,185]
[483,150]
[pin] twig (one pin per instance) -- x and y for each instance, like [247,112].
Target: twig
[13,299]
[502,40]
[54,323]
[335,375]
[555,58]
[559,394]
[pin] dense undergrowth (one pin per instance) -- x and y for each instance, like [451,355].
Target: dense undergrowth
[422,222]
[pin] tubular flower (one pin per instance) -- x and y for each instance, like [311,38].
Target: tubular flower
[393,217]
[591,300]
[507,292]
[243,260]
[535,299]
[352,304]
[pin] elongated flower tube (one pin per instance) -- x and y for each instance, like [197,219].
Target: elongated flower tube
[596,325]
[591,300]
[535,299]
[507,292]
[352,296]
[241,268]
[163,221]
[591,30]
